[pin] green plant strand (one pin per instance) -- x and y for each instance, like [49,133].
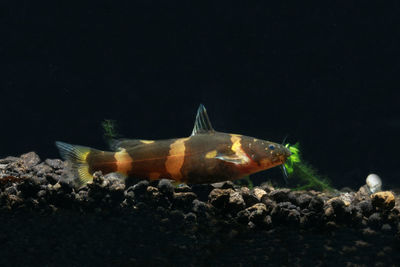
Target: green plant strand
[110,129]
[305,173]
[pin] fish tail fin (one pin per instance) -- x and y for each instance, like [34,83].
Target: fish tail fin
[76,158]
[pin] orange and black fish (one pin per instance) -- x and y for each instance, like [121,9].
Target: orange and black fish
[207,156]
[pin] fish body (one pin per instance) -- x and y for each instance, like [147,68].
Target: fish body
[207,156]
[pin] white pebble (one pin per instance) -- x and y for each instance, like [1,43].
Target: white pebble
[374,183]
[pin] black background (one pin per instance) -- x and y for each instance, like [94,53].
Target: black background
[325,75]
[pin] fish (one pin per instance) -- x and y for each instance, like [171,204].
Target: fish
[206,156]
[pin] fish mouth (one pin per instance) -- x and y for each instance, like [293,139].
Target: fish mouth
[287,152]
[283,158]
[278,160]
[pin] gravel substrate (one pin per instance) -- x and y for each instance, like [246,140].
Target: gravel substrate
[45,221]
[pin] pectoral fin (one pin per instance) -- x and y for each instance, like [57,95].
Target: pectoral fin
[234,158]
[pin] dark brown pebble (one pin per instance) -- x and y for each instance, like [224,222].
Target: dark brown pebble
[224,185]
[366,207]
[140,188]
[52,178]
[337,204]
[243,216]
[12,190]
[386,228]
[190,217]
[267,187]
[250,200]
[30,159]
[8,160]
[257,213]
[183,188]
[303,200]
[368,232]
[346,190]
[331,225]
[55,163]
[219,197]
[293,217]
[375,220]
[280,195]
[42,169]
[236,202]
[177,216]
[28,188]
[251,225]
[202,191]
[316,204]
[165,186]
[183,200]
[383,200]
[41,193]
[200,207]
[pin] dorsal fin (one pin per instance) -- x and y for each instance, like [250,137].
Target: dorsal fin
[202,123]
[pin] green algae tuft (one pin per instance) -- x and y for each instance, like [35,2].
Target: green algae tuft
[109,129]
[302,174]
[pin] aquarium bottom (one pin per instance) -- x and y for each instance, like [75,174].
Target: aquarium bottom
[44,221]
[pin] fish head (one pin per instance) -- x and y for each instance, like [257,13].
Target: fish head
[267,154]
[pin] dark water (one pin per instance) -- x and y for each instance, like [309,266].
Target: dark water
[325,75]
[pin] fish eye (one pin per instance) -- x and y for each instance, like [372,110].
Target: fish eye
[272,147]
